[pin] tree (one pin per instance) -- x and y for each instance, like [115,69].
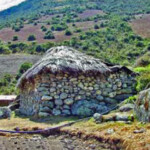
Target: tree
[31,38]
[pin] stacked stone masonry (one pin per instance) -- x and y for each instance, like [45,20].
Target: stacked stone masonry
[82,95]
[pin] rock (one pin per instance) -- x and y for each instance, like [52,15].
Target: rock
[98,92]
[110,100]
[122,97]
[126,107]
[87,108]
[5,112]
[121,117]
[52,90]
[66,112]
[49,104]
[110,131]
[139,131]
[43,114]
[58,102]
[45,109]
[66,107]
[142,106]
[63,95]
[100,98]
[98,117]
[46,98]
[56,112]
[68,101]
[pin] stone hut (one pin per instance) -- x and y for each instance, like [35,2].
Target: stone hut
[68,82]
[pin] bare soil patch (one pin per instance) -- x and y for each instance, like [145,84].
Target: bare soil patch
[11,63]
[90,13]
[7,34]
[141,25]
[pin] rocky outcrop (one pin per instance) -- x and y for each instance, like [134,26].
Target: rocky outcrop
[80,94]
[142,106]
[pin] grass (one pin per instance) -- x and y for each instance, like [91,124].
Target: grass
[29,123]
[142,69]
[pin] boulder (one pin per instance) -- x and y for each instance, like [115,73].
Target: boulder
[142,106]
[87,108]
[98,117]
[5,112]
[126,107]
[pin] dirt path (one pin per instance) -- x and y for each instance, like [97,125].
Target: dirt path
[50,143]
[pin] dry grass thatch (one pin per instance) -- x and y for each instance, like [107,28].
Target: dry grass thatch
[67,60]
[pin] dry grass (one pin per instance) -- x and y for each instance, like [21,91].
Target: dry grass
[29,123]
[123,133]
[141,25]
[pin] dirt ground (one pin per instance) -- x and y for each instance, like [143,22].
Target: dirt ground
[141,25]
[37,142]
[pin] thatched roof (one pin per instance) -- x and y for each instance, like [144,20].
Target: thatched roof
[66,59]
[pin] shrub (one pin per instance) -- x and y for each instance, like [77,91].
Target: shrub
[31,38]
[15,38]
[143,61]
[23,68]
[49,35]
[68,32]
[4,49]
[44,29]
[96,26]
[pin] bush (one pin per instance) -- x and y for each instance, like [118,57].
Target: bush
[143,61]
[31,38]
[68,32]
[49,35]
[4,49]
[44,29]
[96,26]
[15,38]
[23,68]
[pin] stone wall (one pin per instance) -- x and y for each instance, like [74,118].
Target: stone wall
[82,94]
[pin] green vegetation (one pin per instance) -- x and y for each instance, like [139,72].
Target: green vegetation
[23,68]
[15,38]
[49,35]
[68,33]
[142,67]
[31,38]
[7,85]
